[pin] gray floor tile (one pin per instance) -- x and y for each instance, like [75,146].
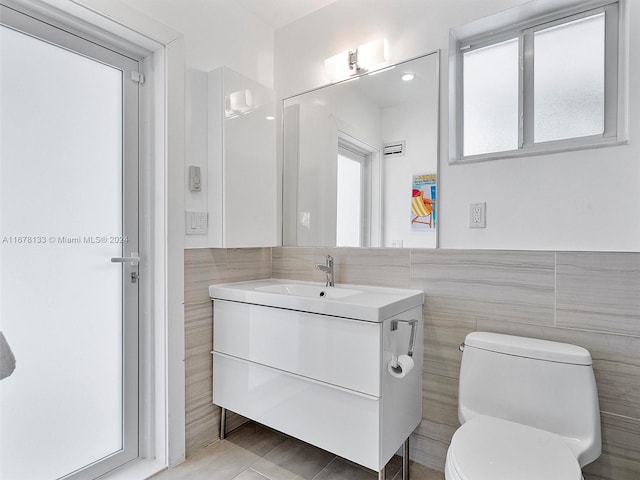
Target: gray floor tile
[340,469]
[255,452]
[250,474]
[293,459]
[256,438]
[220,461]
[394,466]
[420,472]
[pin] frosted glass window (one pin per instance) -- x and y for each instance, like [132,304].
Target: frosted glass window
[490,92]
[569,73]
[349,204]
[553,87]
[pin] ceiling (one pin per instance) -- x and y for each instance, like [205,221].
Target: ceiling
[278,13]
[387,89]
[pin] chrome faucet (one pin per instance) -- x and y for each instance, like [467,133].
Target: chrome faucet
[327,268]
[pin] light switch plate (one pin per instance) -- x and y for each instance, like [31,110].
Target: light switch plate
[196,223]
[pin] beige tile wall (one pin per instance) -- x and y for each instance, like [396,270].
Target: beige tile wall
[204,267]
[590,299]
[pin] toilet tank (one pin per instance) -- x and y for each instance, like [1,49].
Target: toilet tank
[543,384]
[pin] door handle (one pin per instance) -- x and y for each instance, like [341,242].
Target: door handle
[134,259]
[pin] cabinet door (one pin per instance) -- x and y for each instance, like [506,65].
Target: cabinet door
[241,170]
[341,421]
[334,350]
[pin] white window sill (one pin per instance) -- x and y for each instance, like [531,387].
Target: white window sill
[542,150]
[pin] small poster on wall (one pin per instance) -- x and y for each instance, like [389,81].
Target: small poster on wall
[423,202]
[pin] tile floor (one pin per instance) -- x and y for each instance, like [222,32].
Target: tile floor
[255,452]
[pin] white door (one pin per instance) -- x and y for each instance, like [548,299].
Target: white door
[350,193]
[68,218]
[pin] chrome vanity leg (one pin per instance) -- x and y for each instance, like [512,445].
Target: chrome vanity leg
[382,474]
[223,423]
[405,460]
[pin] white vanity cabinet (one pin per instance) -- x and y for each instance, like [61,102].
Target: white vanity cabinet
[319,377]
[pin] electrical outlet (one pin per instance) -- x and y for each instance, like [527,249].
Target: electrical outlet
[477,217]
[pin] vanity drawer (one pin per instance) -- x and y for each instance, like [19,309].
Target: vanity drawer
[334,350]
[341,421]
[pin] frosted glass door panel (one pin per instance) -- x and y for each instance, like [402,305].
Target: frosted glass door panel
[491,98]
[569,80]
[61,220]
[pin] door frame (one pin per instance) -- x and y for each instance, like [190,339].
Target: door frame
[162,150]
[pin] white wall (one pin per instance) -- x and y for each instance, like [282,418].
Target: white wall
[216,33]
[581,200]
[415,124]
[196,131]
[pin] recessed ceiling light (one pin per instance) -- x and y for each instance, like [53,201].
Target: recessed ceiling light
[408,77]
[270,118]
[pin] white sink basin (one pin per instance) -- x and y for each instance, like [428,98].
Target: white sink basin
[310,291]
[350,301]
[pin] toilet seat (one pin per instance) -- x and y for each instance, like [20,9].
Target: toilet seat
[487,448]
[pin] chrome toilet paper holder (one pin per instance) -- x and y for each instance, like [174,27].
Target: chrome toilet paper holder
[412,336]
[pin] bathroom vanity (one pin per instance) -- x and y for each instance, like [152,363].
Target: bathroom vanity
[320,363]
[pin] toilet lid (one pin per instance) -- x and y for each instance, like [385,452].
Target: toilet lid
[487,448]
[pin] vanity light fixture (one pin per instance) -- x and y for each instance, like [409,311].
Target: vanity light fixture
[407,77]
[370,55]
[366,57]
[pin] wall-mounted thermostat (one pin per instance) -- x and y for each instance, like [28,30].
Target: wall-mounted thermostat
[194,178]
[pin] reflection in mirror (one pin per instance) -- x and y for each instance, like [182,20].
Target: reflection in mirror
[361,159]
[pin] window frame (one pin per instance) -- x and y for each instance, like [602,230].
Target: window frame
[614,110]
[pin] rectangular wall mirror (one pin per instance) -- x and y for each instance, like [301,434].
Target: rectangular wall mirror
[361,160]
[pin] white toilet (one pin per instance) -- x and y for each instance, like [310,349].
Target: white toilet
[528,408]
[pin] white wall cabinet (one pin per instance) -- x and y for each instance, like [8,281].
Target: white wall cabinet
[241,173]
